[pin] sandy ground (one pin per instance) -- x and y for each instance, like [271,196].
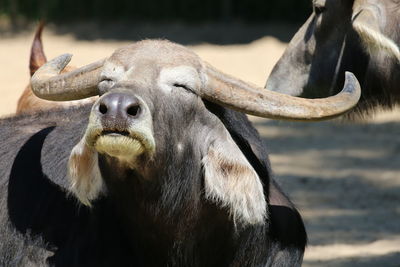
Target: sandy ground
[344,178]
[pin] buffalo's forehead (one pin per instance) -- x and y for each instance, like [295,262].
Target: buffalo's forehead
[155,54]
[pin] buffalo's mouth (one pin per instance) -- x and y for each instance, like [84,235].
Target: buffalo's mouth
[114,133]
[123,144]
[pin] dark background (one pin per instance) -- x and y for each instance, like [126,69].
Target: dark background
[157,10]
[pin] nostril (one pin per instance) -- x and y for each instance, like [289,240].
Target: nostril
[133,110]
[103,108]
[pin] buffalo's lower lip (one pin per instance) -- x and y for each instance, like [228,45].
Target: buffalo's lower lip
[120,146]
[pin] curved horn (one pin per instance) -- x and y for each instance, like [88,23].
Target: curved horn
[238,95]
[81,83]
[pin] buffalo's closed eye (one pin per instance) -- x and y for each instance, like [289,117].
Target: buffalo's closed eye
[182,86]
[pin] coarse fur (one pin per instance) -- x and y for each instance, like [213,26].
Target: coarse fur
[376,42]
[38,202]
[84,173]
[372,21]
[367,31]
[229,178]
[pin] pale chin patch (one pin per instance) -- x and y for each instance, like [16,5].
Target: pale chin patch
[121,147]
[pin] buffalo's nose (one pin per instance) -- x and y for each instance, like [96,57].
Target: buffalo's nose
[119,106]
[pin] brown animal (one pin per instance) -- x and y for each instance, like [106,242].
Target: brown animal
[28,102]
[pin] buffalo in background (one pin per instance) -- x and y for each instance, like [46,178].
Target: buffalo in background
[361,36]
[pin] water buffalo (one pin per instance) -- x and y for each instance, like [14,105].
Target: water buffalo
[164,169]
[361,36]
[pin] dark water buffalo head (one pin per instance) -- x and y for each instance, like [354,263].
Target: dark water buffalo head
[151,129]
[339,36]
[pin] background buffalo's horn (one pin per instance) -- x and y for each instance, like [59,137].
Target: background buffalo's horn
[240,96]
[81,83]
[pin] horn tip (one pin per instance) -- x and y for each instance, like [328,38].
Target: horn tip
[60,62]
[352,85]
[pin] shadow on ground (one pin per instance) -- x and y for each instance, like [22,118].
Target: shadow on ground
[389,260]
[345,179]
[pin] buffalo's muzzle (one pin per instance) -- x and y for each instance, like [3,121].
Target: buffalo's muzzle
[117,111]
[121,126]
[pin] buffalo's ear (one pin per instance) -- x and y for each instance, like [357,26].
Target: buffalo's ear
[232,183]
[84,172]
[368,22]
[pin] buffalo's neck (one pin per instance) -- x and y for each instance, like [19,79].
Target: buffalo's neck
[167,220]
[380,84]
[378,74]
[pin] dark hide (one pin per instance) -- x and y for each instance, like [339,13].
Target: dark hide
[163,221]
[35,200]
[286,226]
[308,66]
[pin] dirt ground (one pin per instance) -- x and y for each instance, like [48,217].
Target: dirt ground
[344,178]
